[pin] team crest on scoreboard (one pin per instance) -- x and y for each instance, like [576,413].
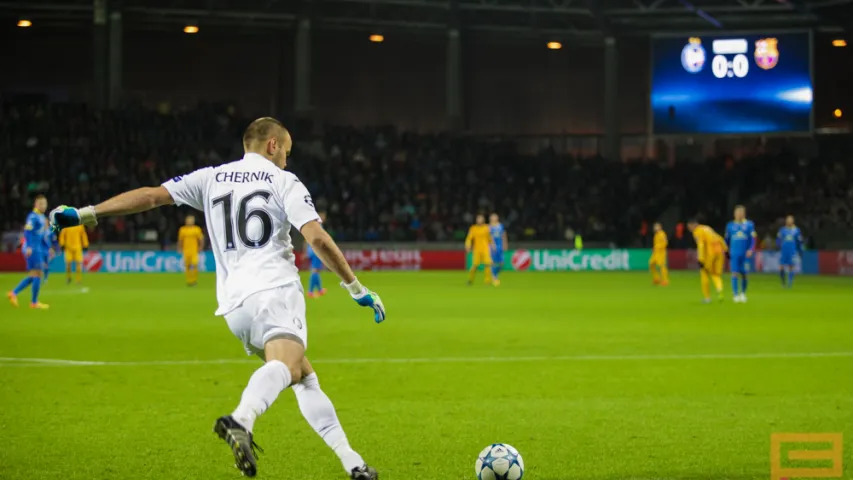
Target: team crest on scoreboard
[693,55]
[766,53]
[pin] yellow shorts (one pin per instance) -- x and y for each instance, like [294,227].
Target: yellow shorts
[714,264]
[481,258]
[73,255]
[191,259]
[658,258]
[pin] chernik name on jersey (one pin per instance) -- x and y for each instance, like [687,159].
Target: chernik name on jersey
[243,177]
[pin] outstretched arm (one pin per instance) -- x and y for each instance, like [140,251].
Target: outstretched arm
[326,249]
[134,201]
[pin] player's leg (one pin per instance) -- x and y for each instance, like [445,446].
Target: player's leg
[706,285]
[272,321]
[22,285]
[45,272]
[195,261]
[283,367]
[744,278]
[190,272]
[475,264]
[35,270]
[79,266]
[487,267]
[36,289]
[735,271]
[318,410]
[313,282]
[69,265]
[786,269]
[497,264]
[318,281]
[664,271]
[653,269]
[717,275]
[187,269]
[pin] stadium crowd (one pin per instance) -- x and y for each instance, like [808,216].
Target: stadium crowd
[379,184]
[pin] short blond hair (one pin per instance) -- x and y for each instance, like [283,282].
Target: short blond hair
[260,130]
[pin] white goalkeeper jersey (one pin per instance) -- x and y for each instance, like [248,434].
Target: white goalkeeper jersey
[249,207]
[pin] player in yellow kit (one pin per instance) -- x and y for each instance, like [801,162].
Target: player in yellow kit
[657,262]
[73,241]
[480,244]
[190,243]
[710,253]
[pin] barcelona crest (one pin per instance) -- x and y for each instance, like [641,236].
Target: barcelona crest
[766,53]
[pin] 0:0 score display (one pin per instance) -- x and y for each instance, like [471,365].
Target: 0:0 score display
[738,65]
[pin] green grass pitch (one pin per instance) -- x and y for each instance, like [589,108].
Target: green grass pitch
[589,375]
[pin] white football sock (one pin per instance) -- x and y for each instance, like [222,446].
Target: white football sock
[320,413]
[263,388]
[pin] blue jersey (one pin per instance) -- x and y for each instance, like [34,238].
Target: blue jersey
[740,237]
[37,235]
[789,240]
[497,233]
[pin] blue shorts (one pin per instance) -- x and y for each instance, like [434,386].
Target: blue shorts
[316,264]
[498,256]
[36,261]
[737,264]
[787,258]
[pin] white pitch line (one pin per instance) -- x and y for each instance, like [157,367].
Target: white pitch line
[81,291]
[31,362]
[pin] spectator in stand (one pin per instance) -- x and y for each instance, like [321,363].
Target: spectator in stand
[379,184]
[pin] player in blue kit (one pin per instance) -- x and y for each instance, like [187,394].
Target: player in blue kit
[789,240]
[498,233]
[740,238]
[315,285]
[36,249]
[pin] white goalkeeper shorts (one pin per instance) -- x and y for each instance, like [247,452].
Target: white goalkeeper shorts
[268,314]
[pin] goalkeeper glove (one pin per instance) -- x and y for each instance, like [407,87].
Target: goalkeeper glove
[64,216]
[366,298]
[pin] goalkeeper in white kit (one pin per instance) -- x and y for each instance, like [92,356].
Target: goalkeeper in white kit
[250,206]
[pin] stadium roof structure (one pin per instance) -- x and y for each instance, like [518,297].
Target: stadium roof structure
[561,19]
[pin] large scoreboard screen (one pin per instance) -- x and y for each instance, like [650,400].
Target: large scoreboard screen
[732,84]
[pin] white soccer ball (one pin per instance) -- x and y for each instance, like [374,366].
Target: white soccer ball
[499,461]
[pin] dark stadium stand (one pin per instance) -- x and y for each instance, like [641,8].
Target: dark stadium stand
[378,184]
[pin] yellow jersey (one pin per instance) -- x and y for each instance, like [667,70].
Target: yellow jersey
[708,242]
[190,239]
[660,242]
[74,238]
[479,238]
